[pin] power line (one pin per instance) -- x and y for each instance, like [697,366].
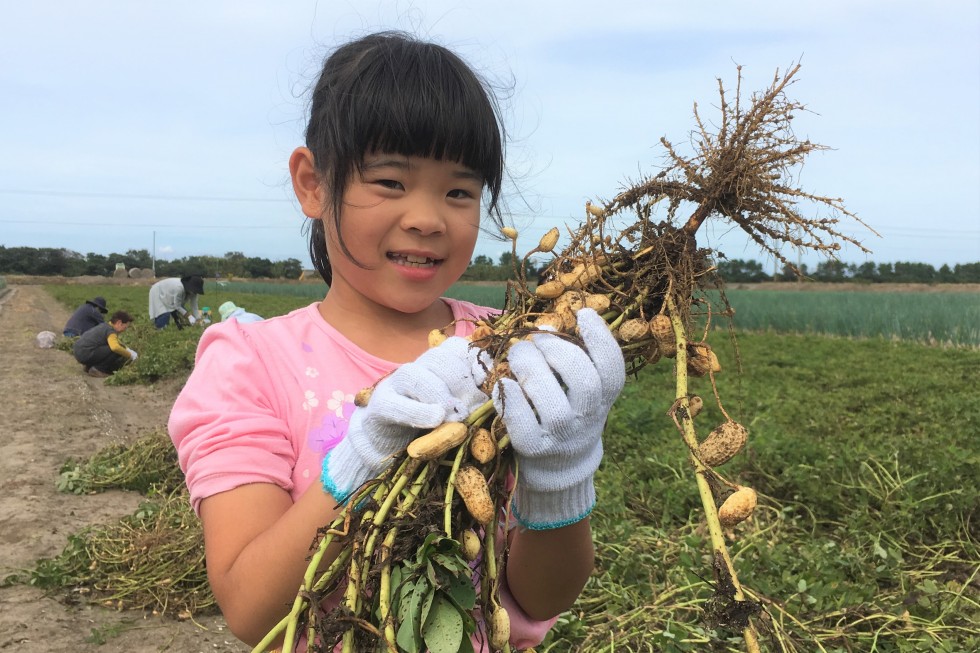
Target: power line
[144,196]
[169,225]
[891,232]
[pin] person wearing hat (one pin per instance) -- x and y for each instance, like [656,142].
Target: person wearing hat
[88,315]
[228,310]
[168,296]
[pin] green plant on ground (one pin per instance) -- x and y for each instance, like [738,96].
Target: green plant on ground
[102,634]
[866,536]
[148,463]
[151,560]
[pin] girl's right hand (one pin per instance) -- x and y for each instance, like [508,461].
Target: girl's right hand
[442,385]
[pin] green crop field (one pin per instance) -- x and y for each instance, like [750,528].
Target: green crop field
[925,317]
[862,445]
[484,295]
[930,317]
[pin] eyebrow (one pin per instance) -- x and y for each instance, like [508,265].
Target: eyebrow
[460,173]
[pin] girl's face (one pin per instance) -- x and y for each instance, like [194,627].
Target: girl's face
[412,224]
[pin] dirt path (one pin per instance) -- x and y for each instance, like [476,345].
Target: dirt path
[52,412]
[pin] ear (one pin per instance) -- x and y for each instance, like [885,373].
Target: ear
[306,182]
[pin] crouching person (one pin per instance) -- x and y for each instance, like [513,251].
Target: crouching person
[99,349]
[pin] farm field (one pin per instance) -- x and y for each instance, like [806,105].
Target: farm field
[863,449]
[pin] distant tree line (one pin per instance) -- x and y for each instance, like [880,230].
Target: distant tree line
[44,261]
[482,268]
[741,271]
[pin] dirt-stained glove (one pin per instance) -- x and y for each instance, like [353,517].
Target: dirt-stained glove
[442,385]
[132,355]
[555,412]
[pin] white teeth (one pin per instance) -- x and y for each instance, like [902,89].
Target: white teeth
[413,261]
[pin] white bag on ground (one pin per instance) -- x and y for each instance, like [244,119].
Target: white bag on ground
[45,339]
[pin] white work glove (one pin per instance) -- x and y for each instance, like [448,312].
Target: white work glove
[191,319]
[557,433]
[442,385]
[132,354]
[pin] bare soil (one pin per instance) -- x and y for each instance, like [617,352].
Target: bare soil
[51,412]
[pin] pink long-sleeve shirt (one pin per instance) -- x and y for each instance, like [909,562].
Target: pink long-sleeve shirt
[267,400]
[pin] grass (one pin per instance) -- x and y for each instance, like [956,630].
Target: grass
[865,455]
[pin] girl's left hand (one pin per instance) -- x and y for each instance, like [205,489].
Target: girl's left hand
[555,412]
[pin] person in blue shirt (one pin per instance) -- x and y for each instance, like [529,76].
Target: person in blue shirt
[88,315]
[229,310]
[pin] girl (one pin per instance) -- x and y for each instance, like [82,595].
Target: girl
[403,141]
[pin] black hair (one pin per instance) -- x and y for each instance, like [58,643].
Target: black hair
[121,316]
[193,284]
[390,92]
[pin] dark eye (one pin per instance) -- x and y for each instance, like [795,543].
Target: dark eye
[390,183]
[459,194]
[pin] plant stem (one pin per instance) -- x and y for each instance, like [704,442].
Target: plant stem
[704,489]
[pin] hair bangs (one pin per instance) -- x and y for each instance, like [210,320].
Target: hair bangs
[420,103]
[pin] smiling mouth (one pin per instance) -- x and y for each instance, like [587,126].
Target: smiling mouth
[412,261]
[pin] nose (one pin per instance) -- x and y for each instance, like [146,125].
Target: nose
[424,215]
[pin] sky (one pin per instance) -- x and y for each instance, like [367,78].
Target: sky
[167,126]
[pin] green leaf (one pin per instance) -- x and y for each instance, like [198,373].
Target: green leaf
[403,602]
[407,636]
[466,645]
[460,591]
[443,632]
[431,540]
[453,564]
[407,639]
[396,579]
[426,606]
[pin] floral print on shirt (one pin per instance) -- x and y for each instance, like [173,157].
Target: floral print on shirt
[333,427]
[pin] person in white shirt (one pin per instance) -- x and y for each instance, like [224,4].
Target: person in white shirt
[168,296]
